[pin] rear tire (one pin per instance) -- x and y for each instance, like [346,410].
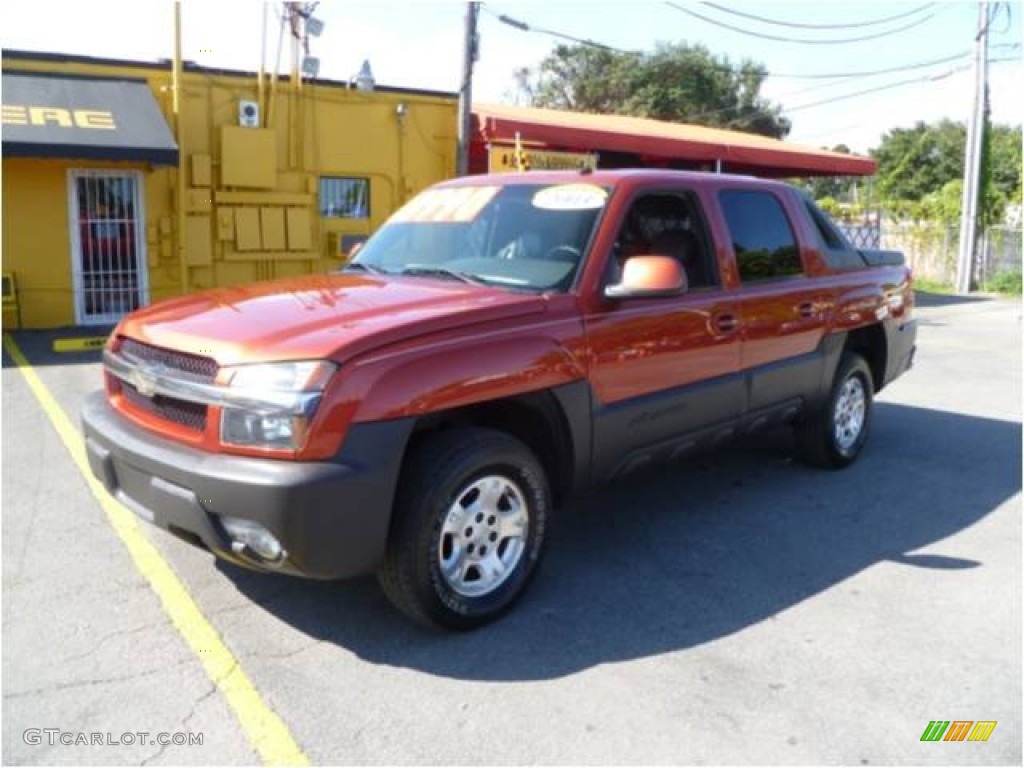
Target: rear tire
[468,531]
[835,435]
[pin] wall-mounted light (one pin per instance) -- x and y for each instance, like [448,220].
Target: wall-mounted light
[401,111]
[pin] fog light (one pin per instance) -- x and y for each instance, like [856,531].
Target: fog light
[247,534]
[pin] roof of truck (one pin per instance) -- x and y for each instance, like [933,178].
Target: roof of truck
[611,177]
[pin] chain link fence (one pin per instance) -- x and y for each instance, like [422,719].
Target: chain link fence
[863,235]
[931,251]
[998,263]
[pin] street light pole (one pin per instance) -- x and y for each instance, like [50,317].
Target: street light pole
[469,54]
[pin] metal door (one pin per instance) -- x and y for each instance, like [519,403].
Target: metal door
[108,258]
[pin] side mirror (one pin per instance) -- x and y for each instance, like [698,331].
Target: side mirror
[645,277]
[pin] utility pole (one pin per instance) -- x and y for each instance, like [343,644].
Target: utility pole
[469,54]
[179,134]
[972,157]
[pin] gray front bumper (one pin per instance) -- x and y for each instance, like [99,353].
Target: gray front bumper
[331,517]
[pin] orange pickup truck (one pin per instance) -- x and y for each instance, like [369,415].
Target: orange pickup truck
[501,343]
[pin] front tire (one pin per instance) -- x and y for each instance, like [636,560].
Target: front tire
[835,435]
[469,527]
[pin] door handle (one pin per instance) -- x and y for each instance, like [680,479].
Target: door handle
[806,309]
[725,323]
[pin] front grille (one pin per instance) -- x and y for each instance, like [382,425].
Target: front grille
[179,365]
[184,365]
[190,415]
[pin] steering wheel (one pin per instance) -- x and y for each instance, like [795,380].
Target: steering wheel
[563,253]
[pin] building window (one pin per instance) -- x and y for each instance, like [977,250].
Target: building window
[344,198]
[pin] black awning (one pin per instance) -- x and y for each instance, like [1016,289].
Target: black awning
[83,118]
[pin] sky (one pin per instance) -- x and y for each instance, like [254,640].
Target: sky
[418,44]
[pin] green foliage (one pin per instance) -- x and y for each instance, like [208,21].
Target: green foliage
[1008,282]
[930,286]
[942,206]
[1005,168]
[920,170]
[915,162]
[675,82]
[830,206]
[838,187]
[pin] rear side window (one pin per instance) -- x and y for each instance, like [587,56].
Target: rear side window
[835,248]
[762,238]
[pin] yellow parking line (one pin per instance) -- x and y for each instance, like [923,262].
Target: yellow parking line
[266,731]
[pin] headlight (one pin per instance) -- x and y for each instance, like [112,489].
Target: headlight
[272,404]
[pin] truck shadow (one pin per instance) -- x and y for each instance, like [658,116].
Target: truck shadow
[927,299]
[675,558]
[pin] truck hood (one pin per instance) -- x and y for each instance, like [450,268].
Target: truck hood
[319,317]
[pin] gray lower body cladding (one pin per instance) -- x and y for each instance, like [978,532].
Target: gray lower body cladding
[331,517]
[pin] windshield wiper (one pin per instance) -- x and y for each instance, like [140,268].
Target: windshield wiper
[359,265]
[431,270]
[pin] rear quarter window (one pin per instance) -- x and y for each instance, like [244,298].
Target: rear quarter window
[835,249]
[762,238]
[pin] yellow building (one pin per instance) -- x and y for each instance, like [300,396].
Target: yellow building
[279,180]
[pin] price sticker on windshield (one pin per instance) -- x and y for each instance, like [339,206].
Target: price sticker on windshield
[571,197]
[453,204]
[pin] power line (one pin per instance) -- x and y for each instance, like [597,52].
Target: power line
[900,83]
[887,71]
[1009,18]
[887,86]
[872,72]
[891,70]
[796,25]
[803,41]
[876,89]
[845,96]
[526,27]
[990,16]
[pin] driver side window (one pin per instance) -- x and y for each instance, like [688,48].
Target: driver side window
[667,225]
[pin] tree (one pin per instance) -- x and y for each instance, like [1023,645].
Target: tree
[919,165]
[838,188]
[675,82]
[1004,167]
[915,162]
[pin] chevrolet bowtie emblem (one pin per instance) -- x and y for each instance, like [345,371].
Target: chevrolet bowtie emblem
[144,378]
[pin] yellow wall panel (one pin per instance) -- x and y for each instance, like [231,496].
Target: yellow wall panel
[201,173]
[247,229]
[36,240]
[300,225]
[248,157]
[225,224]
[270,256]
[293,269]
[272,228]
[234,273]
[198,245]
[198,201]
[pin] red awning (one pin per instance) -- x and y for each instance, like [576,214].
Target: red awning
[738,152]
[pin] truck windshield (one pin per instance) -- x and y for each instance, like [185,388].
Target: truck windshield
[520,236]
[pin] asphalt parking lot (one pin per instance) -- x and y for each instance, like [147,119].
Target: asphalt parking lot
[737,609]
